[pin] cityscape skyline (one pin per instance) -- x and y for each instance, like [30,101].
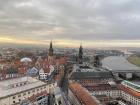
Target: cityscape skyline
[69,52]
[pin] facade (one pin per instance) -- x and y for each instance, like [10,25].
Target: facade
[125,91]
[58,96]
[38,99]
[42,74]
[83,73]
[11,73]
[60,74]
[13,91]
[130,92]
[33,72]
[22,71]
[80,96]
[104,89]
[46,72]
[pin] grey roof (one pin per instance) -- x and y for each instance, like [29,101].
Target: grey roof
[12,71]
[91,75]
[118,63]
[33,71]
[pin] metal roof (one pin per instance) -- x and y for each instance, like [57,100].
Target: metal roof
[91,75]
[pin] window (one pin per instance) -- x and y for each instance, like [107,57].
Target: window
[59,103]
[28,92]
[12,86]
[19,95]
[24,94]
[14,102]
[14,97]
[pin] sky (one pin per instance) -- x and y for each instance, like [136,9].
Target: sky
[94,23]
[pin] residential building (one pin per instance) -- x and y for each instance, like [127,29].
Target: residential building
[80,96]
[15,90]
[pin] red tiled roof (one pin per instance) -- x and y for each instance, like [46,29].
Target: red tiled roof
[46,70]
[82,95]
[3,73]
[129,91]
[17,63]
[99,87]
[33,98]
[2,61]
[62,61]
[46,62]
[22,70]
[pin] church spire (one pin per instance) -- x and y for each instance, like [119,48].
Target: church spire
[81,54]
[51,49]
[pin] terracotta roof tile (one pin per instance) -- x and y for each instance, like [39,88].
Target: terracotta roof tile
[82,94]
[22,70]
[33,98]
[130,91]
[62,61]
[46,70]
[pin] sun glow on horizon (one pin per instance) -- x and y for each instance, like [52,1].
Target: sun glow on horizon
[74,43]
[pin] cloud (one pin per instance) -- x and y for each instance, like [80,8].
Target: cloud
[79,20]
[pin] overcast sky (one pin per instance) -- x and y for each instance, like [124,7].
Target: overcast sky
[70,22]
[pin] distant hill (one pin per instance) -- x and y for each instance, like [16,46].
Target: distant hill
[134,59]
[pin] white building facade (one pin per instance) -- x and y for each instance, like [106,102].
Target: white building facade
[21,89]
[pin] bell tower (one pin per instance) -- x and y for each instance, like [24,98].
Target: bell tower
[80,58]
[50,53]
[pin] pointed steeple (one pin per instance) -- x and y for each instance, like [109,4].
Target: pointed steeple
[81,54]
[51,49]
[97,62]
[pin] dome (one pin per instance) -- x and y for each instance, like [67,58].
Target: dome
[25,60]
